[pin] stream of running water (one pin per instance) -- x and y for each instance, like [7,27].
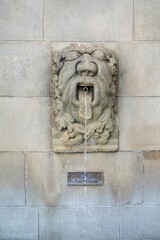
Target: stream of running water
[85,91]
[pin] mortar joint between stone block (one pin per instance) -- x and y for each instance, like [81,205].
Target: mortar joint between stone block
[25,178]
[43,17]
[133,17]
[38,225]
[143,178]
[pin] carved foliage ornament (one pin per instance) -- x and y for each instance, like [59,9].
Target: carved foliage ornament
[77,69]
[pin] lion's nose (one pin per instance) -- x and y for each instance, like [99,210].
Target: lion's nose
[87,68]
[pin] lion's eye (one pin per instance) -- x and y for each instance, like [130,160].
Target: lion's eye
[72,55]
[99,54]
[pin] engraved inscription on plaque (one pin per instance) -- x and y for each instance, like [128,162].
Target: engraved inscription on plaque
[85,178]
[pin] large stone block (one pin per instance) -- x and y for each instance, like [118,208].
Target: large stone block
[47,179]
[139,69]
[12,190]
[82,223]
[147,19]
[24,124]
[140,223]
[139,123]
[21,20]
[88,20]
[151,178]
[24,69]
[18,223]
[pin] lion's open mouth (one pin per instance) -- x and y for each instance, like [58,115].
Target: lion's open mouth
[85,97]
[84,87]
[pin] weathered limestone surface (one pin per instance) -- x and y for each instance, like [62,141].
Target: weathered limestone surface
[113,46]
[127,206]
[47,179]
[24,69]
[12,178]
[21,20]
[19,223]
[84,88]
[140,223]
[82,223]
[139,123]
[91,20]
[151,178]
[139,69]
[147,19]
[24,124]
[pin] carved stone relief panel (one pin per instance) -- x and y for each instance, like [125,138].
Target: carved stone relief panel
[84,87]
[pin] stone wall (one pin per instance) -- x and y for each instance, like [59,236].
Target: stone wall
[35,201]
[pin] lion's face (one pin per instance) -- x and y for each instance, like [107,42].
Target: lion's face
[83,83]
[86,68]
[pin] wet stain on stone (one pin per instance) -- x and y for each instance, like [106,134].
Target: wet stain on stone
[152,155]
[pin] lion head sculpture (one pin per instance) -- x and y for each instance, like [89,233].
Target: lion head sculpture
[84,89]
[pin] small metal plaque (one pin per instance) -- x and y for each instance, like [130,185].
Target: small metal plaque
[85,178]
